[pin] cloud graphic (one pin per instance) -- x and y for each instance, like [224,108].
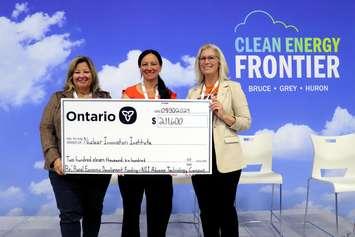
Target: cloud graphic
[265,189]
[351,214]
[39,164]
[10,198]
[48,209]
[11,193]
[19,8]
[126,73]
[299,191]
[346,197]
[291,192]
[269,16]
[311,205]
[292,141]
[31,52]
[15,212]
[342,123]
[42,188]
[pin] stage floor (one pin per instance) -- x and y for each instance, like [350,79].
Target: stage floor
[38,226]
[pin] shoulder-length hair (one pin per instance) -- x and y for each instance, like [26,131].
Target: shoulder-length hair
[222,69]
[69,85]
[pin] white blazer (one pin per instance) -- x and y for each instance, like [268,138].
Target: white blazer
[229,155]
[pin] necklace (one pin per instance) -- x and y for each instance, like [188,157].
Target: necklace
[203,93]
[156,96]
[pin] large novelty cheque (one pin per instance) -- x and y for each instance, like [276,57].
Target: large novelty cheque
[104,136]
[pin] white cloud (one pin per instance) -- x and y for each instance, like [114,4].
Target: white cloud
[342,123]
[351,214]
[180,73]
[347,197]
[293,192]
[126,73]
[15,212]
[291,141]
[19,8]
[31,53]
[311,205]
[35,27]
[300,191]
[267,16]
[265,131]
[38,164]
[48,209]
[266,189]
[42,188]
[12,193]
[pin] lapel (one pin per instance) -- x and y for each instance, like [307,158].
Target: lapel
[68,94]
[222,91]
[221,95]
[196,92]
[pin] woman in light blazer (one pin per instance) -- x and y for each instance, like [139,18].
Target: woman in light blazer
[216,193]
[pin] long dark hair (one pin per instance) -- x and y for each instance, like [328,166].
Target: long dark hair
[164,91]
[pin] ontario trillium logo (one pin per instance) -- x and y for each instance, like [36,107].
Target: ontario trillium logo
[128,115]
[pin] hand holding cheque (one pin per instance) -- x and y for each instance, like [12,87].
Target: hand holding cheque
[136,136]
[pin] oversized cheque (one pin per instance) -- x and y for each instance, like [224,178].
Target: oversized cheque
[104,136]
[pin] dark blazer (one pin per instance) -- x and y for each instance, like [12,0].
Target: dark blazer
[50,126]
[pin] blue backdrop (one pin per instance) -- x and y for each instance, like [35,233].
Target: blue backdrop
[294,61]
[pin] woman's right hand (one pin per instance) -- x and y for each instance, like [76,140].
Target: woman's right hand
[57,166]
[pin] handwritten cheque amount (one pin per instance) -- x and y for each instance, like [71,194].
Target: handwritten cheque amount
[104,136]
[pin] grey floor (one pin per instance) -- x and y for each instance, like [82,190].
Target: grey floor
[292,225]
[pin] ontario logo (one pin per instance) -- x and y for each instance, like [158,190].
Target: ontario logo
[128,115]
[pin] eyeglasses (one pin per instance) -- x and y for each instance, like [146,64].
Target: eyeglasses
[208,58]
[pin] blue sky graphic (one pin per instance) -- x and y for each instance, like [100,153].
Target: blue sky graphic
[39,38]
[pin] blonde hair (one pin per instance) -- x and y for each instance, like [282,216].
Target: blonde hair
[69,85]
[222,69]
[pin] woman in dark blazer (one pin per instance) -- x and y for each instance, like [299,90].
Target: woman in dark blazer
[79,197]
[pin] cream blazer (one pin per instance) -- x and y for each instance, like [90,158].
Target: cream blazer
[229,155]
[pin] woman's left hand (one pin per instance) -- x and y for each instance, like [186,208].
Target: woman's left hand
[217,108]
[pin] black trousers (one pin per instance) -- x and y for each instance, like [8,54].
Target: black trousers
[79,197]
[159,193]
[216,195]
